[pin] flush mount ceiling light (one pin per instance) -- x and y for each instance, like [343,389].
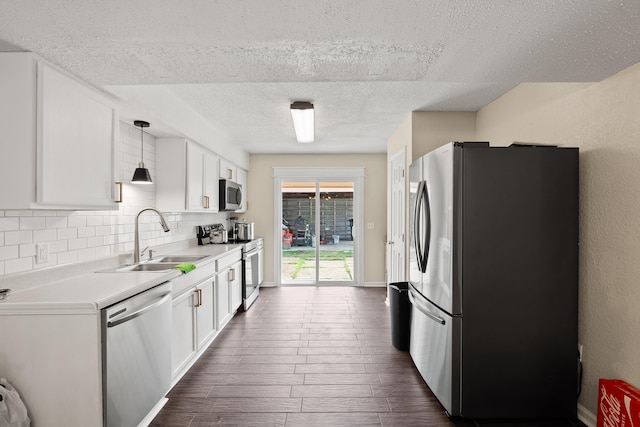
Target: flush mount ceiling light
[302,114]
[141,174]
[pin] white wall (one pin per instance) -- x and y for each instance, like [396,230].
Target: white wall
[87,235]
[603,120]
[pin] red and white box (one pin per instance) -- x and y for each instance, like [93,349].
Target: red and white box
[618,404]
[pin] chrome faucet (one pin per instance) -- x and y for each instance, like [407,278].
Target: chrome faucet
[136,238]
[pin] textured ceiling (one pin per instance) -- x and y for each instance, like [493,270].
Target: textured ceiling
[365,64]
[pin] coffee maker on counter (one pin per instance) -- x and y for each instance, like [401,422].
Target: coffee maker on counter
[214,233]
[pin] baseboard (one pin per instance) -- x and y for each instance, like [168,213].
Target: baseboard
[584,415]
[366,284]
[375,284]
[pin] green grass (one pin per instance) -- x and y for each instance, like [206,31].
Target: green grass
[303,256]
[324,255]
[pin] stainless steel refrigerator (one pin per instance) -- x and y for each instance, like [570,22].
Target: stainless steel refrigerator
[494,279]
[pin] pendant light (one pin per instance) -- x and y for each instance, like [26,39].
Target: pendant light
[141,174]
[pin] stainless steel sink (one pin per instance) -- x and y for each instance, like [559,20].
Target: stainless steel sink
[164,263]
[157,266]
[181,258]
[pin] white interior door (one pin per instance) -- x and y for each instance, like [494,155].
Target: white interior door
[397,212]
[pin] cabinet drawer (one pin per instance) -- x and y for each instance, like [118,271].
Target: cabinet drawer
[227,260]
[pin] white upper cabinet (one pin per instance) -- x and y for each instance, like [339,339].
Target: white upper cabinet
[186,176]
[228,170]
[59,138]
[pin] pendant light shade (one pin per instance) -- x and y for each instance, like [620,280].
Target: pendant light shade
[141,174]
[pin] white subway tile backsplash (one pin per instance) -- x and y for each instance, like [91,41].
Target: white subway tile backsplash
[93,221]
[93,242]
[75,244]
[9,223]
[8,252]
[27,250]
[67,233]
[18,265]
[86,231]
[44,235]
[67,257]
[32,223]
[86,254]
[77,220]
[55,222]
[18,237]
[58,246]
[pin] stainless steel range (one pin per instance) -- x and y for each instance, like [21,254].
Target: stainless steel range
[252,256]
[252,260]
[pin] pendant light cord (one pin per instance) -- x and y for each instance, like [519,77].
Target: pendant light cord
[142,144]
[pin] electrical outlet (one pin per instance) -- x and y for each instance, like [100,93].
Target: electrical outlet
[580,348]
[42,253]
[370,225]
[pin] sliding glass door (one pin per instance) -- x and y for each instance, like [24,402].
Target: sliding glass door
[317,231]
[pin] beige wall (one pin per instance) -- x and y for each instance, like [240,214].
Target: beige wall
[431,130]
[260,197]
[603,120]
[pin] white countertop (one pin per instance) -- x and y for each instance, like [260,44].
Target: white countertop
[87,293]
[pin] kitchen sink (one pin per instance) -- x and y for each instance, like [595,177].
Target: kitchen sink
[164,263]
[157,266]
[180,258]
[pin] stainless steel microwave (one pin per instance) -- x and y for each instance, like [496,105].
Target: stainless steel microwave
[230,195]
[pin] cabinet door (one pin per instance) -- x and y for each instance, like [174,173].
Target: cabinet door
[235,283]
[242,180]
[223,302]
[205,312]
[76,135]
[211,181]
[227,170]
[195,177]
[183,340]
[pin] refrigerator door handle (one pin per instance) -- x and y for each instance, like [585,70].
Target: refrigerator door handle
[416,226]
[425,310]
[427,216]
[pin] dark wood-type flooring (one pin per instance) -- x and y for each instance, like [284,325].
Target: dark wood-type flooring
[310,356]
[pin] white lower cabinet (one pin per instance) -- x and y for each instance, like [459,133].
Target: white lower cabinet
[205,313]
[235,282]
[183,342]
[223,299]
[202,307]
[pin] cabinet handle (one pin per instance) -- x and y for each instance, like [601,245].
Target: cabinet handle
[232,274]
[119,184]
[206,201]
[199,292]
[229,173]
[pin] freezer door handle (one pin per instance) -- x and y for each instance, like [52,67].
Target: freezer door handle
[425,310]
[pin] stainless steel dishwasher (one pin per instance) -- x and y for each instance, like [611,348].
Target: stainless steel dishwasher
[136,355]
